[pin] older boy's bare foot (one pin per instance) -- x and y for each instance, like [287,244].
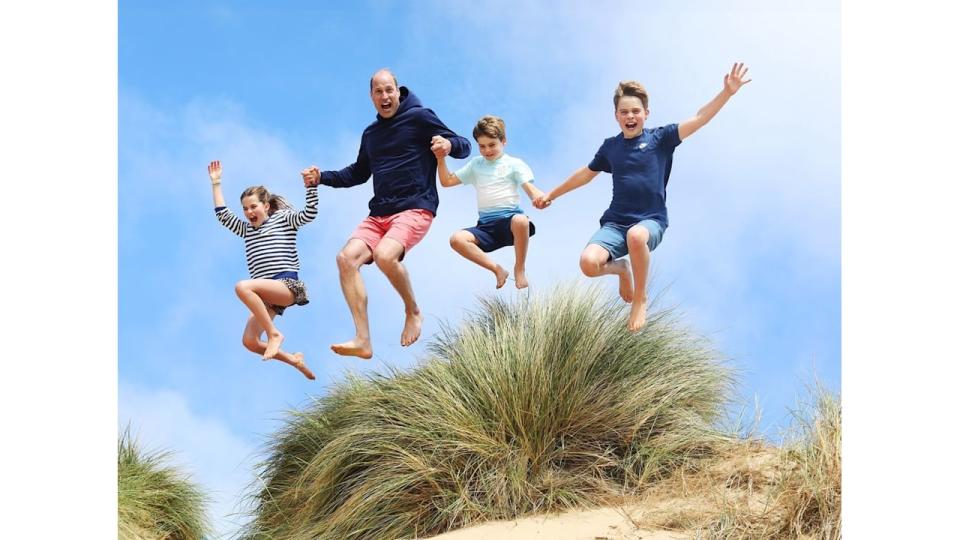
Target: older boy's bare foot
[411,328]
[355,347]
[297,362]
[638,316]
[626,281]
[501,276]
[520,277]
[273,345]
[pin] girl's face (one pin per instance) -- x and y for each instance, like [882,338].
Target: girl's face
[254,210]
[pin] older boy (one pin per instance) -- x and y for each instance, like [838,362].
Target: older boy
[496,176]
[639,160]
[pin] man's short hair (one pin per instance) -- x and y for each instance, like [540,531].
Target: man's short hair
[630,88]
[395,83]
[491,126]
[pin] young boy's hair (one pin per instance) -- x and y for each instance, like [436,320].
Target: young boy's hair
[273,201]
[630,88]
[491,126]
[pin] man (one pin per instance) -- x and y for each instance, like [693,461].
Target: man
[398,149]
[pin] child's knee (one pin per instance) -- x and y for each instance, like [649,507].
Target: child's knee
[459,239]
[519,223]
[638,237]
[250,342]
[589,266]
[242,287]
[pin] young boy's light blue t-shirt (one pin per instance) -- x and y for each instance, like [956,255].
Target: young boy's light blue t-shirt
[496,182]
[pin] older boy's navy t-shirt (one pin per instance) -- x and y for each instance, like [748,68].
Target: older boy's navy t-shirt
[641,168]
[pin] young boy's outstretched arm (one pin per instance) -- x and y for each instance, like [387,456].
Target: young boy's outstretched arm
[447,178]
[532,191]
[731,83]
[579,178]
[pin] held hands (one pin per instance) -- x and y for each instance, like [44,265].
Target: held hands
[440,147]
[213,169]
[311,176]
[542,201]
[734,80]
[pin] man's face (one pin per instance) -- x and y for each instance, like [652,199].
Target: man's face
[385,95]
[631,115]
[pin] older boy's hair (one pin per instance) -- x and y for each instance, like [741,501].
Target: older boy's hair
[491,126]
[630,88]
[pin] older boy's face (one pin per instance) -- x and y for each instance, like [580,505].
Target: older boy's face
[631,115]
[385,95]
[490,148]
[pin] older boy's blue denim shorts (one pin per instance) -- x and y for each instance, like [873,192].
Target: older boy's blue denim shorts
[493,235]
[613,237]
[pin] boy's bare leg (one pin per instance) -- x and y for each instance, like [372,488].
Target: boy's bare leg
[520,227]
[464,243]
[349,260]
[387,258]
[594,262]
[254,293]
[637,238]
[251,340]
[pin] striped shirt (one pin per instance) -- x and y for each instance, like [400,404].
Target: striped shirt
[272,247]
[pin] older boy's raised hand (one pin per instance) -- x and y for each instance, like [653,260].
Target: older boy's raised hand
[311,176]
[440,147]
[734,80]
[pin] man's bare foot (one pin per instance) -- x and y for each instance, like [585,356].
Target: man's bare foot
[501,279]
[411,328]
[297,362]
[355,347]
[626,281]
[638,316]
[520,276]
[273,344]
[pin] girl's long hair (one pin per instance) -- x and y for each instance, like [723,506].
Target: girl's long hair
[273,201]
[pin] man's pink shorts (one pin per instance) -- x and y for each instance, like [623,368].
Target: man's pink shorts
[407,227]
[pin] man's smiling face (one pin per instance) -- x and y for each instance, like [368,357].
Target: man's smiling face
[385,94]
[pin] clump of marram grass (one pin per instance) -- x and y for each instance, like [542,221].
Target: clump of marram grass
[155,500]
[543,404]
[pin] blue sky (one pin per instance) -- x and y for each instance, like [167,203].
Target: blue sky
[752,255]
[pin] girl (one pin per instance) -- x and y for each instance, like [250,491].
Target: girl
[271,246]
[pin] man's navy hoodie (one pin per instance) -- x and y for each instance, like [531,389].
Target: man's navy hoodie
[397,151]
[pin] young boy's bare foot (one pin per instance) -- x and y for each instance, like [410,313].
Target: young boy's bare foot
[297,362]
[355,347]
[411,328]
[626,280]
[273,344]
[520,276]
[638,316]
[501,276]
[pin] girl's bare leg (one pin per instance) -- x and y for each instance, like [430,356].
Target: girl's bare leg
[637,238]
[593,263]
[520,227]
[253,293]
[464,243]
[251,340]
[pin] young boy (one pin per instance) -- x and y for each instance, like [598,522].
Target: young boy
[496,176]
[639,159]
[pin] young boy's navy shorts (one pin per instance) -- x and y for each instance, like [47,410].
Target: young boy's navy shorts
[613,237]
[493,235]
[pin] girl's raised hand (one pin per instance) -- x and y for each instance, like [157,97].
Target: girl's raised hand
[213,169]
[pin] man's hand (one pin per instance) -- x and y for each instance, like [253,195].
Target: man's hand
[734,80]
[213,169]
[440,147]
[541,202]
[311,176]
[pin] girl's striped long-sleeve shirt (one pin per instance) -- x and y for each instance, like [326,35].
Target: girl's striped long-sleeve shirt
[271,248]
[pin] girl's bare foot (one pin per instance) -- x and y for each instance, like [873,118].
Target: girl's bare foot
[273,344]
[411,328]
[638,316]
[355,347]
[501,276]
[297,362]
[626,280]
[520,276]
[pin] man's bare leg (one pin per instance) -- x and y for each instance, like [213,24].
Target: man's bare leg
[465,243]
[387,257]
[255,293]
[251,340]
[637,238]
[520,227]
[594,262]
[354,254]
